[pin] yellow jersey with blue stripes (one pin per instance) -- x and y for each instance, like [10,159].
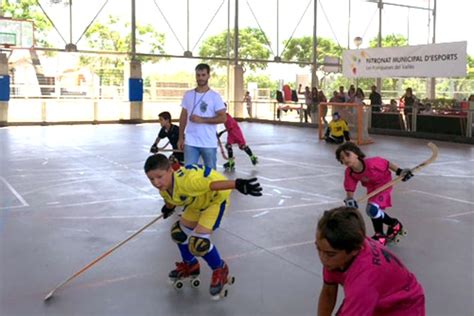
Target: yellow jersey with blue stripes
[191,187]
[337,128]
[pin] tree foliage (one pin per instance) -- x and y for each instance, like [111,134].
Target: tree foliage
[300,49]
[263,81]
[391,40]
[114,35]
[252,45]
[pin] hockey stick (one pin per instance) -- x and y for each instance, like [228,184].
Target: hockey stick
[169,150]
[222,148]
[102,256]
[434,155]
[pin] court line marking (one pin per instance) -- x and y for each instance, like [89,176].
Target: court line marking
[155,215]
[447,198]
[302,192]
[15,193]
[102,201]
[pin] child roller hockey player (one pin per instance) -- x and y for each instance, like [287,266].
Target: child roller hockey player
[235,136]
[170,131]
[204,193]
[375,281]
[337,130]
[372,173]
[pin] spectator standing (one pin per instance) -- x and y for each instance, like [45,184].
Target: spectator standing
[408,100]
[248,103]
[202,109]
[375,99]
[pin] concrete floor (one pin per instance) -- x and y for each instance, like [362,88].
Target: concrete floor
[69,193]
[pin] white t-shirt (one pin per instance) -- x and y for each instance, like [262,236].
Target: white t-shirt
[205,105]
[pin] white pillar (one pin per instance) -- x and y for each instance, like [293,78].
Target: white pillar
[5,85]
[237,89]
[135,96]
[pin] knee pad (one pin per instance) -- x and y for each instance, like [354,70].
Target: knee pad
[199,246]
[177,234]
[373,210]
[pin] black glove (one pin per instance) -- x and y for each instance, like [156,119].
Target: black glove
[405,173]
[154,149]
[248,186]
[350,202]
[166,211]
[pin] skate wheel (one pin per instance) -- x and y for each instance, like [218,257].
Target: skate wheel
[396,240]
[225,293]
[178,285]
[231,280]
[404,233]
[195,283]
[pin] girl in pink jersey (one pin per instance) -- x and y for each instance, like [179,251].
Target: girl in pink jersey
[235,136]
[374,280]
[372,173]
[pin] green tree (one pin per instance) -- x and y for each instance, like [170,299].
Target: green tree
[252,45]
[114,35]
[300,49]
[263,81]
[391,40]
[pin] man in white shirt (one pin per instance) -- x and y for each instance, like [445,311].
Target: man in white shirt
[202,109]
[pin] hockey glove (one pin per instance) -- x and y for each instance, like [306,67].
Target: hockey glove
[350,202]
[405,173]
[154,149]
[248,186]
[166,211]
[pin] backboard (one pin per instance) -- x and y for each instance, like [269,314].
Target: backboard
[16,33]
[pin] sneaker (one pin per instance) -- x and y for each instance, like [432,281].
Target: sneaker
[254,160]
[219,279]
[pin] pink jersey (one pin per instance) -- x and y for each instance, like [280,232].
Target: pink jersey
[234,134]
[377,283]
[375,174]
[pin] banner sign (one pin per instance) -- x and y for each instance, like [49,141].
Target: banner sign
[435,60]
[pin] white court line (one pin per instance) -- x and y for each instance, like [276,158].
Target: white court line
[15,193]
[145,231]
[297,178]
[448,198]
[445,175]
[280,207]
[450,162]
[302,192]
[260,214]
[265,209]
[301,164]
[102,201]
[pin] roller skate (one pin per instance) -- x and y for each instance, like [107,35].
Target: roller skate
[381,238]
[185,271]
[229,165]
[220,281]
[396,231]
[254,160]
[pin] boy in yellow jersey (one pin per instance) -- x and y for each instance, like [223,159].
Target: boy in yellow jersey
[337,130]
[204,193]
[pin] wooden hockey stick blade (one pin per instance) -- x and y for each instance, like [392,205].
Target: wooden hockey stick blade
[434,155]
[102,256]
[170,150]
[222,149]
